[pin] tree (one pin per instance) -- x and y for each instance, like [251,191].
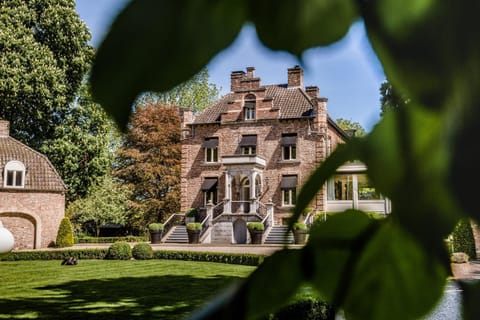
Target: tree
[346,124]
[148,163]
[421,157]
[106,202]
[196,93]
[45,54]
[83,145]
[390,98]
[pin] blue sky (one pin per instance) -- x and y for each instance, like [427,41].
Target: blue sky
[347,73]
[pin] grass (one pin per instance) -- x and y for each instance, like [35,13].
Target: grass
[103,289]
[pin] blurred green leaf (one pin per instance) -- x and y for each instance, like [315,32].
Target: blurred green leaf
[342,154]
[415,152]
[267,289]
[470,298]
[153,45]
[299,25]
[396,274]
[334,245]
[425,46]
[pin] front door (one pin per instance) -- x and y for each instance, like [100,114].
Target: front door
[240,231]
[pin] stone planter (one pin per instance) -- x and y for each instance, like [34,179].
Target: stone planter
[256,236]
[193,236]
[156,237]
[300,236]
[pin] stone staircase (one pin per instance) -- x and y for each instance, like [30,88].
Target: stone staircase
[277,236]
[178,234]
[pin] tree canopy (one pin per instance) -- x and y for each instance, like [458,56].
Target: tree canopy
[148,163]
[83,145]
[390,99]
[45,54]
[197,93]
[347,124]
[421,157]
[106,202]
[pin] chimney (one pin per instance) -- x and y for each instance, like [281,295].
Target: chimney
[4,128]
[236,78]
[295,77]
[250,72]
[313,91]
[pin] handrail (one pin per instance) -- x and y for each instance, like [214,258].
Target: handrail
[204,224]
[266,220]
[309,219]
[170,222]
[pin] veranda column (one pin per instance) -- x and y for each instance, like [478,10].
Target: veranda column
[253,198]
[269,206]
[227,205]
[209,213]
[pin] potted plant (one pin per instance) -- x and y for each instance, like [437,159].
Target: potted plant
[190,215]
[256,231]
[156,231]
[193,232]
[300,232]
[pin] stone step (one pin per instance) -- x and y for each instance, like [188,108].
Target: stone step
[277,236]
[178,235]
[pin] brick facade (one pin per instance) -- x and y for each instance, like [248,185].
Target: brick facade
[279,111]
[32,210]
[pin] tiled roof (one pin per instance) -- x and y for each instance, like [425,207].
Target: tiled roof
[292,103]
[40,173]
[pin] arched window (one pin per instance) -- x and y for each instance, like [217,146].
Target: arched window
[249,107]
[14,174]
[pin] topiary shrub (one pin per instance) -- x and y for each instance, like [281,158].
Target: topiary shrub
[462,238]
[155,227]
[194,226]
[65,234]
[299,226]
[119,251]
[142,251]
[310,308]
[255,226]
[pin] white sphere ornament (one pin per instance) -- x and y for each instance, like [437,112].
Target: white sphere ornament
[6,240]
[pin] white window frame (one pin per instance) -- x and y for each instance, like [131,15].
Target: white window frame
[213,153]
[250,150]
[292,195]
[210,195]
[250,113]
[290,152]
[15,168]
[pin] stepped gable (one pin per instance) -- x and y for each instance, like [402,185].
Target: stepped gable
[293,103]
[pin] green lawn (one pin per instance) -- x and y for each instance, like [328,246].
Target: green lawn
[105,289]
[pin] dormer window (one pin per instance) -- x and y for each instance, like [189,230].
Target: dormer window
[14,175]
[249,107]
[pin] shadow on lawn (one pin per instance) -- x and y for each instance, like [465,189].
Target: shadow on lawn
[165,297]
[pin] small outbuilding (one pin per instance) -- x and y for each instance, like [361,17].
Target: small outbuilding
[32,193]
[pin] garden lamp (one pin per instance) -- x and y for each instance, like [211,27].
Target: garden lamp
[6,240]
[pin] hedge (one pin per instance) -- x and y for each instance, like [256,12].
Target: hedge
[308,309]
[229,258]
[55,254]
[87,239]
